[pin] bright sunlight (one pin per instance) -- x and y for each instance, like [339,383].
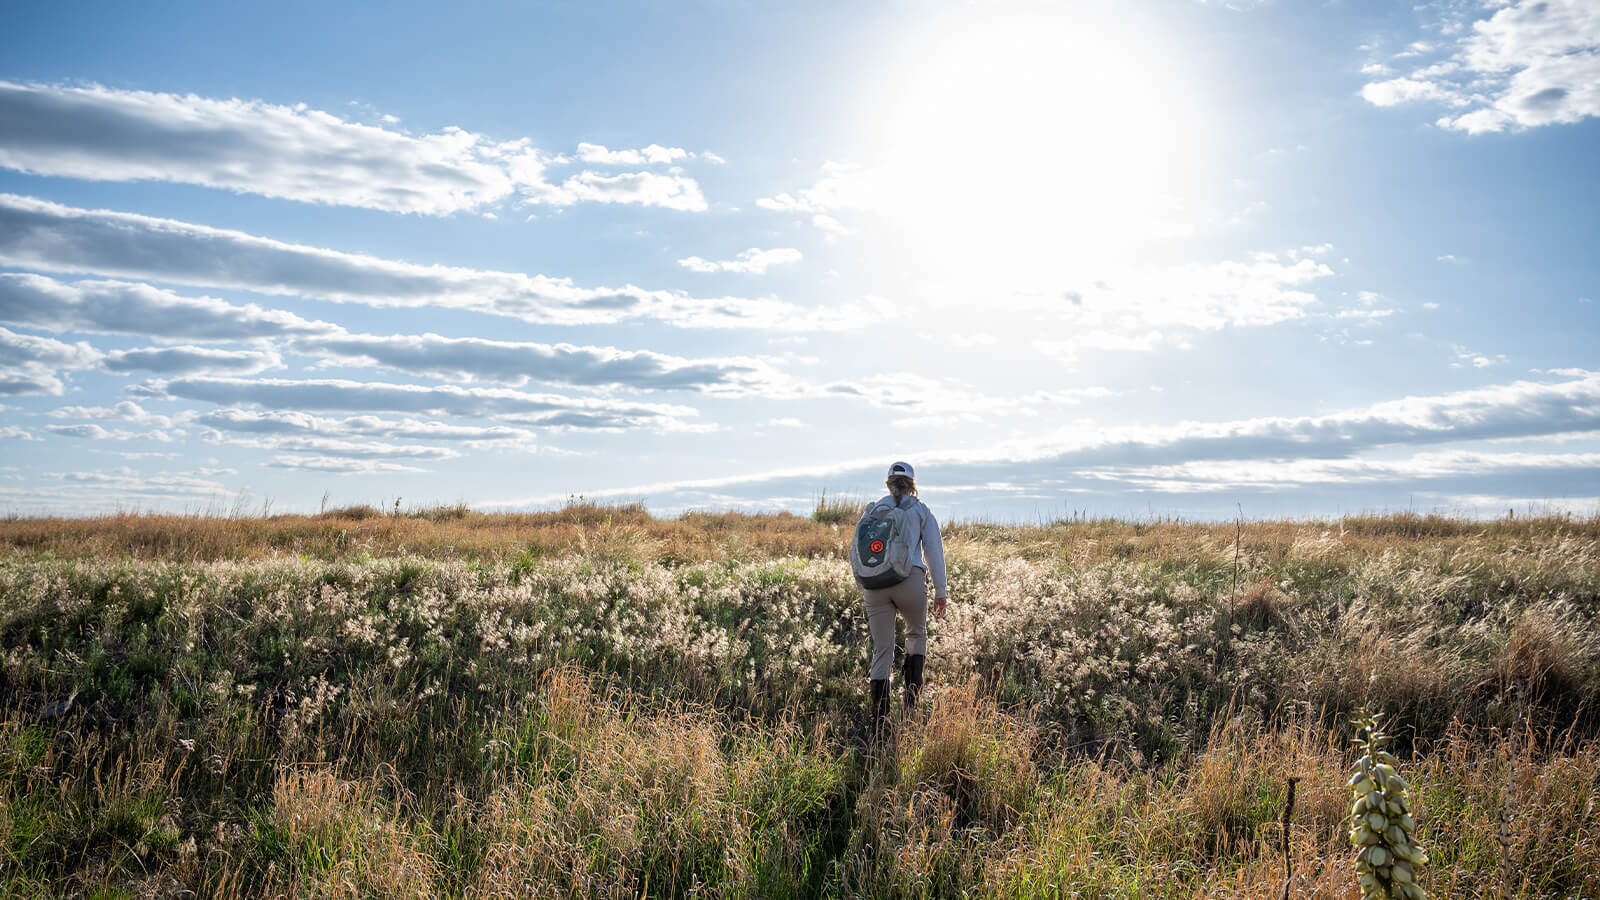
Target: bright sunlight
[1034,142]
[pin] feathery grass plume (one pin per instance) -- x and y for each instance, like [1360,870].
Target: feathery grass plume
[1381,827]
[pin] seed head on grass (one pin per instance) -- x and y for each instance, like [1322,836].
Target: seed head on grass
[1381,827]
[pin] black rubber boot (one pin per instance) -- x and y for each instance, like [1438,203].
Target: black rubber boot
[880,706]
[911,674]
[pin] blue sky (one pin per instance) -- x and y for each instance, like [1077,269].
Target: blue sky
[1172,258]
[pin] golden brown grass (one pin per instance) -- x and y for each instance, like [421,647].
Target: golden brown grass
[456,531]
[626,530]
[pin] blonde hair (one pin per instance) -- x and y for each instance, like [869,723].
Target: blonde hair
[905,484]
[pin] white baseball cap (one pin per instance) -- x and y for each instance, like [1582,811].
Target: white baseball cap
[903,468]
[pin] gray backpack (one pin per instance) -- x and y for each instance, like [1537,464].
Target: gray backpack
[880,555]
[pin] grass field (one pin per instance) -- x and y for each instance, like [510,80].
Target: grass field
[592,702]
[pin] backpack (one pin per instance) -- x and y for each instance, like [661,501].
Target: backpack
[880,554]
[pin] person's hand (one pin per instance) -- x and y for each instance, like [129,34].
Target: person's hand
[939,604]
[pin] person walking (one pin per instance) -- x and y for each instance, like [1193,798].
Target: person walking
[919,531]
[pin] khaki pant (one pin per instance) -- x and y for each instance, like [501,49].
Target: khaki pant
[910,597]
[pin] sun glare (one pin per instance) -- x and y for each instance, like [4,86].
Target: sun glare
[1028,142]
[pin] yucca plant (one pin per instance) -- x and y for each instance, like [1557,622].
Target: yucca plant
[1381,828]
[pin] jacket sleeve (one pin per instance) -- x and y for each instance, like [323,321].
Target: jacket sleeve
[933,551]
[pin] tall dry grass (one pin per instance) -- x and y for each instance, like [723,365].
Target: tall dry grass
[592,798]
[450,533]
[612,715]
[460,532]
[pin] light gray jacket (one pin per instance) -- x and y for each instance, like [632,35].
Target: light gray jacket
[925,540]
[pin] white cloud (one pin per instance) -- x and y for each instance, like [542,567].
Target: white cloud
[123,488]
[292,152]
[843,186]
[249,146]
[1518,410]
[1151,307]
[37,234]
[1396,91]
[120,307]
[15,432]
[341,466]
[1366,315]
[126,410]
[829,225]
[281,422]
[1104,459]
[1310,250]
[655,154]
[331,447]
[548,410]
[20,349]
[94,432]
[1233,475]
[129,308]
[753,260]
[1466,357]
[1263,291]
[28,363]
[670,191]
[1526,64]
[517,362]
[920,400]
[187,360]
[158,484]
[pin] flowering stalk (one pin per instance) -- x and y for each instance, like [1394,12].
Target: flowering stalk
[1381,827]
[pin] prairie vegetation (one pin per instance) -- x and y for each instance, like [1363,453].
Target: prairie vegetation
[594,702]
